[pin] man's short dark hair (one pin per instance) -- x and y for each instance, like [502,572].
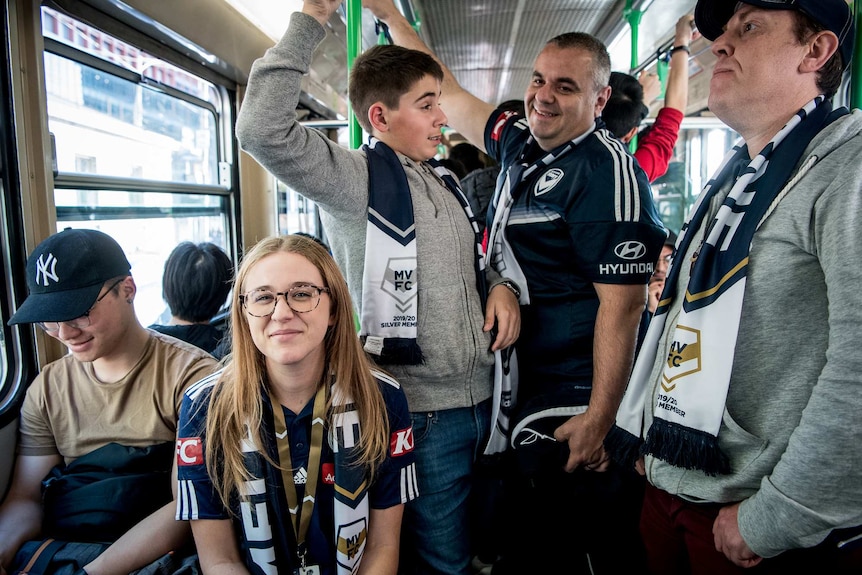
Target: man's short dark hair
[516,106]
[197,280]
[384,73]
[829,76]
[625,108]
[583,41]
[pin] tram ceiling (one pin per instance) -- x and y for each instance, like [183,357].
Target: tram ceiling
[490,45]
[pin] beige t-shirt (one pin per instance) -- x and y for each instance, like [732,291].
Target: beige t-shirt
[67,411]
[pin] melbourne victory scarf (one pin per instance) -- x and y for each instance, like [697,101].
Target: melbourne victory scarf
[390,279]
[389,284]
[351,509]
[696,373]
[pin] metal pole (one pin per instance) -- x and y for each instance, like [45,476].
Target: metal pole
[354,48]
[633,17]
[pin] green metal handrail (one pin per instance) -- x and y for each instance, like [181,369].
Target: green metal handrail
[353,10]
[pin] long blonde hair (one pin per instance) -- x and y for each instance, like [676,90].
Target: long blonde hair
[236,405]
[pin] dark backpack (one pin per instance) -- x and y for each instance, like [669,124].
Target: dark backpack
[103,494]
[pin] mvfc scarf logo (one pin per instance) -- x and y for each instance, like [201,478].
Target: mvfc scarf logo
[351,538]
[547,181]
[683,358]
[46,269]
[399,280]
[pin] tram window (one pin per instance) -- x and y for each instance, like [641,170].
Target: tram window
[147,227]
[107,125]
[700,148]
[138,153]
[296,213]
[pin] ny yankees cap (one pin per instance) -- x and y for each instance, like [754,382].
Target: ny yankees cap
[66,272]
[711,16]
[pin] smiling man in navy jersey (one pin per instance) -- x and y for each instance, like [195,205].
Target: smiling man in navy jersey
[573,223]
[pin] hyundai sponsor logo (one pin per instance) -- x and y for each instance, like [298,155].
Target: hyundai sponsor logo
[630,250]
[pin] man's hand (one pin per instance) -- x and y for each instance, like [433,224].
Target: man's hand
[382,9]
[502,307]
[651,86]
[729,541]
[320,10]
[684,30]
[585,440]
[654,294]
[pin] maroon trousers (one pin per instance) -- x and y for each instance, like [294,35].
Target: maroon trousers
[678,539]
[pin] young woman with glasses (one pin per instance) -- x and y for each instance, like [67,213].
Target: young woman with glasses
[317,484]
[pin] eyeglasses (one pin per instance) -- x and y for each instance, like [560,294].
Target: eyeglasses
[301,299]
[80,322]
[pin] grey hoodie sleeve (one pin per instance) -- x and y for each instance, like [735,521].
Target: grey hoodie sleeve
[268,130]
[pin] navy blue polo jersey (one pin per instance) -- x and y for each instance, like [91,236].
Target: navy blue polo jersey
[263,527]
[585,217]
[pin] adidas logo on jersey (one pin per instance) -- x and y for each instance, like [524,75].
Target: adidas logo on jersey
[300,477]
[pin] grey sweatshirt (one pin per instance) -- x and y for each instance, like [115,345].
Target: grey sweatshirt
[458,366]
[792,425]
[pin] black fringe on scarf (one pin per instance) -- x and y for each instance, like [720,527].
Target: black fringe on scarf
[400,351]
[685,447]
[623,447]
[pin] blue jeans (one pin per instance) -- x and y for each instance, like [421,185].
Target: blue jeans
[435,534]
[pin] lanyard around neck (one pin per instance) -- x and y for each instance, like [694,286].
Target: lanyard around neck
[300,517]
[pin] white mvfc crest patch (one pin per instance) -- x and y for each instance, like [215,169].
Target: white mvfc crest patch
[547,181]
[399,279]
[351,539]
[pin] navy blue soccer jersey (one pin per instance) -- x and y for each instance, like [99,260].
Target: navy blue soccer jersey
[263,528]
[580,216]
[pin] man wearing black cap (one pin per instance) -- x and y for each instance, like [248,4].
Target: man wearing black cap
[747,388]
[112,403]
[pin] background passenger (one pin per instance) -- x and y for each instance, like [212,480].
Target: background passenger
[627,107]
[195,285]
[656,281]
[421,290]
[747,387]
[479,185]
[107,410]
[339,440]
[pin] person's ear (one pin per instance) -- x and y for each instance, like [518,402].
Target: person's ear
[629,135]
[821,47]
[128,289]
[602,99]
[377,117]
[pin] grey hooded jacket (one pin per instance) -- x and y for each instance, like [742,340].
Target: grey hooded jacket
[458,365]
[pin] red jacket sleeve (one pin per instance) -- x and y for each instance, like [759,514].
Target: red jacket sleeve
[655,147]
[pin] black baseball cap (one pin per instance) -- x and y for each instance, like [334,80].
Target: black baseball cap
[711,16]
[66,272]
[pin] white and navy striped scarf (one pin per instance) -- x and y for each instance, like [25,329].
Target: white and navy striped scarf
[390,309]
[351,506]
[502,258]
[696,374]
[391,233]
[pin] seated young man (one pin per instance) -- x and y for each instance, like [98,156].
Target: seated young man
[98,426]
